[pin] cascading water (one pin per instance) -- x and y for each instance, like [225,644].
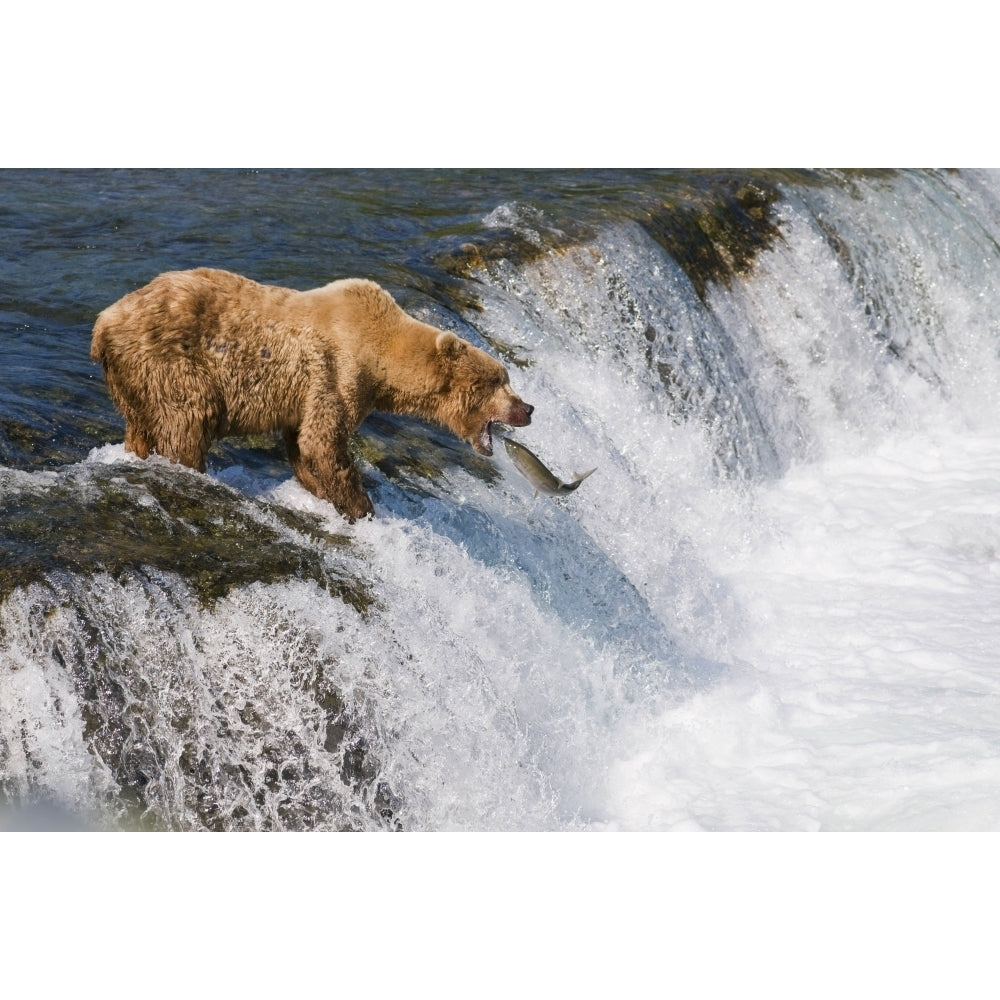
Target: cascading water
[769,608]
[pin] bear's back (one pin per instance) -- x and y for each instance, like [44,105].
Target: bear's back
[180,309]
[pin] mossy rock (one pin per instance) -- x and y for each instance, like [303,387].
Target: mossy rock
[123,519]
[414,454]
[717,237]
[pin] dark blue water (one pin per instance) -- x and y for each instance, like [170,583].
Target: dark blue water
[75,241]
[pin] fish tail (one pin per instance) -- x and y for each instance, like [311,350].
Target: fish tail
[570,486]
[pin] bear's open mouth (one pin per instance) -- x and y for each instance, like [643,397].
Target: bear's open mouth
[484,445]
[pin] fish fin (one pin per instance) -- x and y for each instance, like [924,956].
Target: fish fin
[581,476]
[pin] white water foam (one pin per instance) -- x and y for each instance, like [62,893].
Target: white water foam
[867,689]
[855,616]
[838,621]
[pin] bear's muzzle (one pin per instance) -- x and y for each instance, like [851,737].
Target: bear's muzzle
[520,414]
[516,414]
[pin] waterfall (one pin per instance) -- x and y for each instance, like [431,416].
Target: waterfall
[181,651]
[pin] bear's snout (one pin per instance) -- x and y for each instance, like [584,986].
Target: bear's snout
[520,413]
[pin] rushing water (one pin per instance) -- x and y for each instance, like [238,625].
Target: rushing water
[772,607]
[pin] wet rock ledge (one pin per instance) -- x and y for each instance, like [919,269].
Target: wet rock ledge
[122,519]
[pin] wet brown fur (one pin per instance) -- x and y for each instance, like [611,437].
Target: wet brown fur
[198,355]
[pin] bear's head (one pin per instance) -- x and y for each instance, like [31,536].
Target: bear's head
[478,394]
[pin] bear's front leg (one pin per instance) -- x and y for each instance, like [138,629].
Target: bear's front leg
[330,474]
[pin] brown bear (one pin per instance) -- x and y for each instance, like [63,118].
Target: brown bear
[197,355]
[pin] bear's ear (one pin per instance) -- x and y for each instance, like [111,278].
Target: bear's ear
[449,345]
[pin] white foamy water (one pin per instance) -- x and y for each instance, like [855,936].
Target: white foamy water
[670,650]
[845,676]
[864,690]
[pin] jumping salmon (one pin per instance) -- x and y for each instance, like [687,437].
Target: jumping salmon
[530,466]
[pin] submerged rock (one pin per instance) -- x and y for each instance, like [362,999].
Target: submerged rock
[173,621]
[717,236]
[160,714]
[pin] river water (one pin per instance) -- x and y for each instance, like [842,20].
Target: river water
[772,607]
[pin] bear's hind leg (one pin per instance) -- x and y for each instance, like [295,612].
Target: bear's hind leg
[176,416]
[135,441]
[186,446]
[188,439]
